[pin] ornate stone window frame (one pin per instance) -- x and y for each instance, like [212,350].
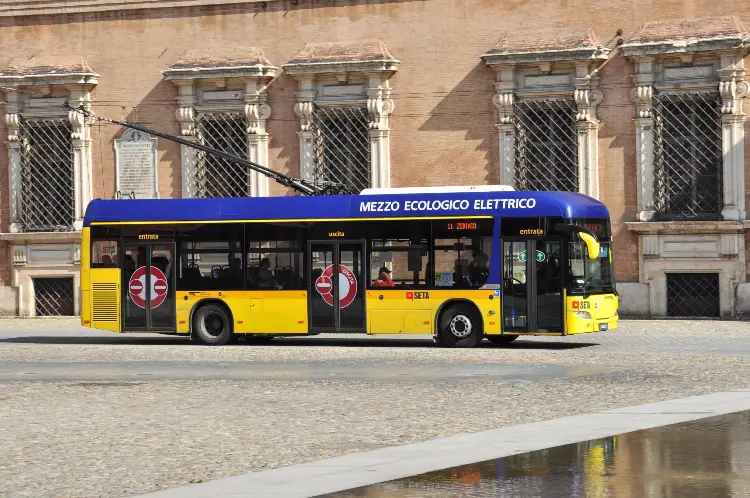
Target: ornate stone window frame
[364,70]
[236,80]
[37,88]
[552,64]
[683,55]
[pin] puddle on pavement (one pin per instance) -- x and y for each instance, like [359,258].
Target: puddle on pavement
[708,458]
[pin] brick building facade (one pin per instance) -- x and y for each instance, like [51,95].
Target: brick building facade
[639,104]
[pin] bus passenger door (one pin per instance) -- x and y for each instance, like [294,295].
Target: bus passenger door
[532,286]
[148,267]
[337,286]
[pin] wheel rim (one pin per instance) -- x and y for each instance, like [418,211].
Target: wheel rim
[460,326]
[214,324]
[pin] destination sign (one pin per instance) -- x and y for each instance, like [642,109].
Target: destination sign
[447,205]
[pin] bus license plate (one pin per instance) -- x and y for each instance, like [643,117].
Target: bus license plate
[603,326]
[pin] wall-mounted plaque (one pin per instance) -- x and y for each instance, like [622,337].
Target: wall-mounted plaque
[135,157]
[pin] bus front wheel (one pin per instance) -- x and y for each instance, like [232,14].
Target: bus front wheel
[212,325]
[460,327]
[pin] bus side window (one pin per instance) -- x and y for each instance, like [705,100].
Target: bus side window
[462,263]
[399,264]
[104,254]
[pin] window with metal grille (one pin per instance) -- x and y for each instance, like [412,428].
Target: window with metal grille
[53,296]
[687,156]
[693,294]
[216,176]
[342,146]
[46,199]
[546,145]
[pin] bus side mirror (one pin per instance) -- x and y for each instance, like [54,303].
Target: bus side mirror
[592,245]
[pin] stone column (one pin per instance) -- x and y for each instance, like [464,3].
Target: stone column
[379,108]
[82,158]
[185,115]
[257,147]
[644,145]
[642,96]
[733,89]
[503,102]
[13,123]
[257,112]
[304,109]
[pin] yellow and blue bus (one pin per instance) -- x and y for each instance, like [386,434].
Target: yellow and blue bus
[459,264]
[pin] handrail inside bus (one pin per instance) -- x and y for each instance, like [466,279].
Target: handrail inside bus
[591,244]
[588,237]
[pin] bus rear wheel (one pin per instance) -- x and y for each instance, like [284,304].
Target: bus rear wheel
[501,340]
[460,327]
[212,325]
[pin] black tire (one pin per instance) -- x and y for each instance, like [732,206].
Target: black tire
[460,326]
[212,325]
[501,340]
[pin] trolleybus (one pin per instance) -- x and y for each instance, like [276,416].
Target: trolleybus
[460,264]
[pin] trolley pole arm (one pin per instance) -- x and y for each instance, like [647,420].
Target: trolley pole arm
[299,185]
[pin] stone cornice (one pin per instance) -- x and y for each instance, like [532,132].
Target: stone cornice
[685,36]
[686,227]
[679,47]
[49,70]
[40,237]
[582,54]
[57,7]
[369,56]
[244,62]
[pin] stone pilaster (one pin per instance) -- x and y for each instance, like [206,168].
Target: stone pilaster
[304,109]
[82,154]
[733,89]
[257,112]
[185,115]
[379,108]
[587,97]
[642,96]
[13,124]
[503,100]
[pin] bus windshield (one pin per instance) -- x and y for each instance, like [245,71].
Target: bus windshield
[590,276]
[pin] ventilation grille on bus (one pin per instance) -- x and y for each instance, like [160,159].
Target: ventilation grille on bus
[105,303]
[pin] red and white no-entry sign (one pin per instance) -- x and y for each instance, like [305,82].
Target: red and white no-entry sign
[347,286]
[137,287]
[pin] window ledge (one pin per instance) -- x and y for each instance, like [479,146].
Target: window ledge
[687,227]
[57,7]
[41,237]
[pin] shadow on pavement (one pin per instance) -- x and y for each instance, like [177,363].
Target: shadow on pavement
[314,341]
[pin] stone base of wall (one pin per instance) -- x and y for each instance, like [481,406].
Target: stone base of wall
[8,301]
[634,300]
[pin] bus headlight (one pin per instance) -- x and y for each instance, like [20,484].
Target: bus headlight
[583,314]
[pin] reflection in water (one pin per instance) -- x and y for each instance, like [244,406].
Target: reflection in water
[706,458]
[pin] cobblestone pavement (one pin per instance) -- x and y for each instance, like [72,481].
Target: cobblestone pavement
[88,413]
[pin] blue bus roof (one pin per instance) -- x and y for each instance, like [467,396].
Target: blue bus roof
[503,204]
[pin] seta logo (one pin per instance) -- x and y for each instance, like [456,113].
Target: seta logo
[411,296]
[581,305]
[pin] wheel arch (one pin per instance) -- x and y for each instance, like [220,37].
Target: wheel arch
[452,302]
[203,302]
